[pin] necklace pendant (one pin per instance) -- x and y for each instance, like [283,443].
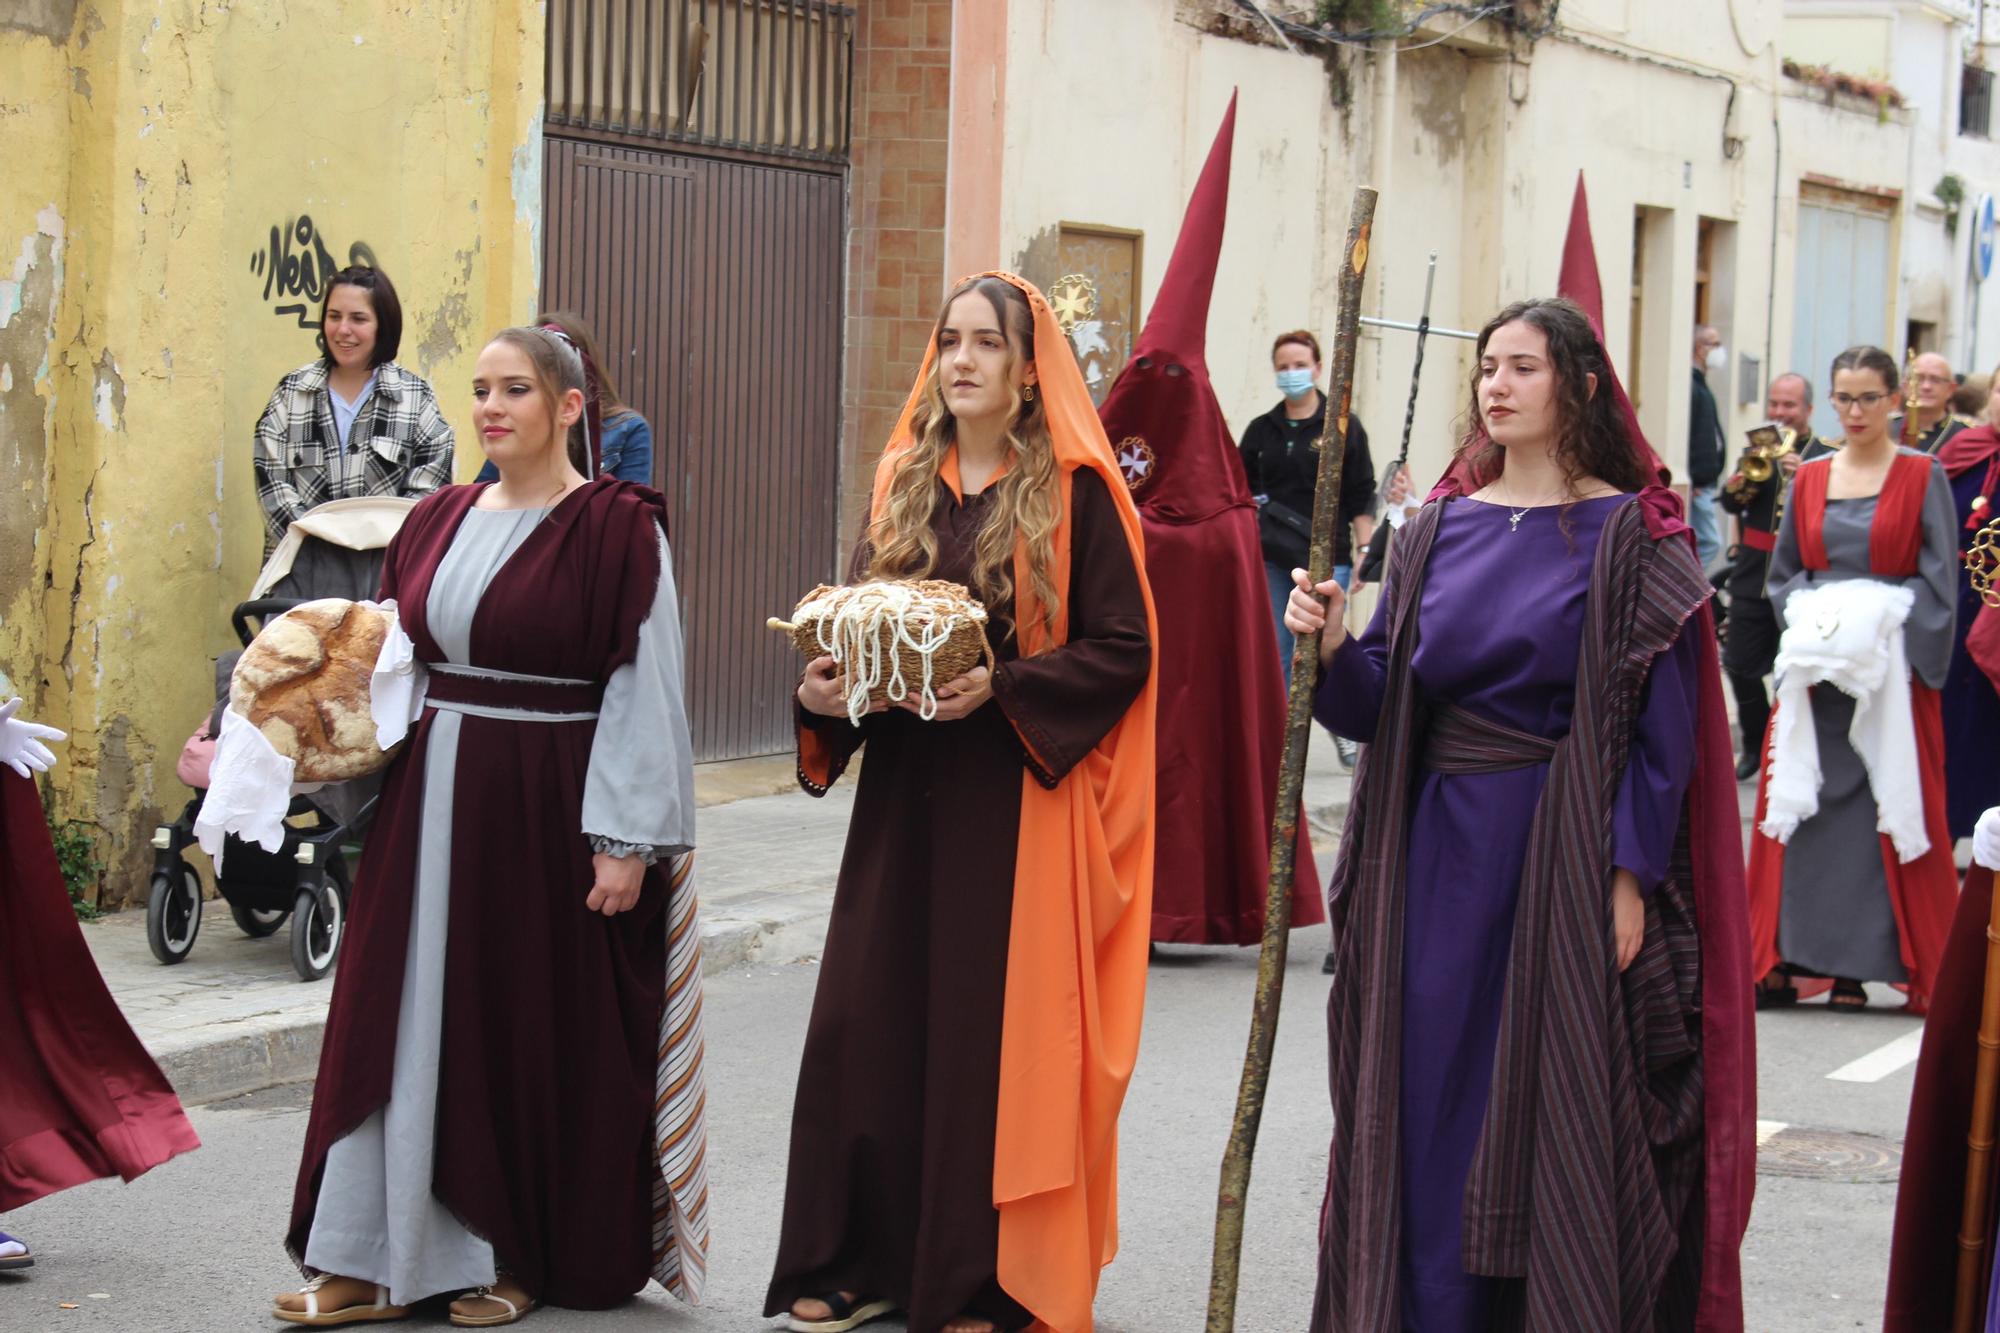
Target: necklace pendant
[1514,518]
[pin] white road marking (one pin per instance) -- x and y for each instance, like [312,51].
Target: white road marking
[1880,1063]
[1769,1129]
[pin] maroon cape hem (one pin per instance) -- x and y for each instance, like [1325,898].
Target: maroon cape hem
[1923,1253]
[81,1099]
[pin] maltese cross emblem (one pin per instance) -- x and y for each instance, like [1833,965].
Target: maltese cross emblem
[1135,460]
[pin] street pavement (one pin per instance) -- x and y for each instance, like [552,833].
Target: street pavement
[195,1244]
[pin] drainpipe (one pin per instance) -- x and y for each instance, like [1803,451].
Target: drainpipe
[1777,189]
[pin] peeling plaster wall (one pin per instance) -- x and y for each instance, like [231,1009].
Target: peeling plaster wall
[178,176]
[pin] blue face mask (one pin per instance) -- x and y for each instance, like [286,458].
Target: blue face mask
[1295,383]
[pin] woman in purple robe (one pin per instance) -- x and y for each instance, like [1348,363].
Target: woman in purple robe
[509,1095]
[1516,1031]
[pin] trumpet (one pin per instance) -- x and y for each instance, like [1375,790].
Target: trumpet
[1768,443]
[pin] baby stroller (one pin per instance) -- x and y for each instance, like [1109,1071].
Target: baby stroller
[336,550]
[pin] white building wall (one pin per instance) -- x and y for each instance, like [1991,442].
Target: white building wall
[1475,143]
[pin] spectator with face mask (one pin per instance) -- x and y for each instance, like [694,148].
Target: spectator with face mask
[1707,449]
[1281,459]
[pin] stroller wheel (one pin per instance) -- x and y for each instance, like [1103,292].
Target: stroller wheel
[254,923]
[318,919]
[173,913]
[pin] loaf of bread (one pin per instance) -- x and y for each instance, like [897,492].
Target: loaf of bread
[303,683]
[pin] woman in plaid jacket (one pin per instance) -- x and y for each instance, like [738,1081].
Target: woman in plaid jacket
[352,422]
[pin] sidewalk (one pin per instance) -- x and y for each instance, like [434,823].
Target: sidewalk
[235,1018]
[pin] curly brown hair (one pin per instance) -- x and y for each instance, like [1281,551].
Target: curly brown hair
[1592,439]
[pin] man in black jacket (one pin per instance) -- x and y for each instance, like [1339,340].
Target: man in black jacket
[1707,449]
[1751,646]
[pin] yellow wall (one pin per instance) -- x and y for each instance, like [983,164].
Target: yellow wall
[150,150]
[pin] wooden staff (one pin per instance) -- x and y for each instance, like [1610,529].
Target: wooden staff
[1973,1264]
[1235,1186]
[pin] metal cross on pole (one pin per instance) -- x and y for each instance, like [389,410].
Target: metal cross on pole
[1422,328]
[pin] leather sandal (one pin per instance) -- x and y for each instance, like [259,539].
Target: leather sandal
[1848,995]
[845,1314]
[508,1312]
[377,1310]
[14,1253]
[1776,991]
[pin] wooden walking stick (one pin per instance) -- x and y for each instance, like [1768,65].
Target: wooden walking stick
[1973,1261]
[1235,1186]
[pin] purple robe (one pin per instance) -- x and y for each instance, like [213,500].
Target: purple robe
[1970,704]
[1469,835]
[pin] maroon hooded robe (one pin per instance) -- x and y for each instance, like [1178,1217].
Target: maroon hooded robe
[79,1097]
[1221,694]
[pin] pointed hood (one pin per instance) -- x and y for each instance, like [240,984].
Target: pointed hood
[1164,423]
[1579,281]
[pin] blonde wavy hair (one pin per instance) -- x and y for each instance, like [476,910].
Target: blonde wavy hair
[1027,502]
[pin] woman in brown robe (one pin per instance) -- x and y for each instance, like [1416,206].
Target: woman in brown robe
[918,1176]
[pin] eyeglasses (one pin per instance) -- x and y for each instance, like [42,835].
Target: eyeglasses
[1926,378]
[1866,401]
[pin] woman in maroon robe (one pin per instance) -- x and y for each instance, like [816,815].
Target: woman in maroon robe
[521,975]
[1539,1021]
[79,1097]
[905,1135]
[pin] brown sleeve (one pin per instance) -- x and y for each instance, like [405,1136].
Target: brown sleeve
[1063,702]
[827,744]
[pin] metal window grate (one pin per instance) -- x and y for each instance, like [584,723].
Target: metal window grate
[771,77]
[1975,102]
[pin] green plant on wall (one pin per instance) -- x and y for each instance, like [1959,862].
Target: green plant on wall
[1361,15]
[76,855]
[1950,192]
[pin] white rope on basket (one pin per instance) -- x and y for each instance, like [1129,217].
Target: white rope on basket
[849,629]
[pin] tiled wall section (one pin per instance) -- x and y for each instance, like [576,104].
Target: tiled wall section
[895,255]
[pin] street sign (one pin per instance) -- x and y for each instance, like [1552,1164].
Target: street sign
[1982,237]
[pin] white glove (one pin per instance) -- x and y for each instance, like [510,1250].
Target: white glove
[1986,839]
[21,747]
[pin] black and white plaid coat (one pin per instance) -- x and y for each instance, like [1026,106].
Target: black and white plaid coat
[399,444]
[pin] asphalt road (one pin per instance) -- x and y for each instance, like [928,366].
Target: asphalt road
[194,1245]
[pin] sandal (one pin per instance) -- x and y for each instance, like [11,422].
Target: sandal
[14,1254]
[378,1310]
[845,1314]
[1776,990]
[1847,995]
[508,1313]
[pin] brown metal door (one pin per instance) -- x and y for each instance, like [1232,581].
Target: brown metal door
[715,291]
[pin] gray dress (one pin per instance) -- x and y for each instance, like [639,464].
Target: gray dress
[1835,917]
[377,1219]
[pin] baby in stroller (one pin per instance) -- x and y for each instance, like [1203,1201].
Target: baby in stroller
[335,550]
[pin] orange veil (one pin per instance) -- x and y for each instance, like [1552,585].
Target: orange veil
[1083,888]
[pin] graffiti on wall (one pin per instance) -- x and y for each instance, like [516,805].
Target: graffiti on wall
[296,268]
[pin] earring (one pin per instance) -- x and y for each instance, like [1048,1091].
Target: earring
[1027,393]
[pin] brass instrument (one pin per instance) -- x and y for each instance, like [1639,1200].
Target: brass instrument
[1768,443]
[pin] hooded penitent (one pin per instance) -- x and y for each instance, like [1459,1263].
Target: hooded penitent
[1222,708]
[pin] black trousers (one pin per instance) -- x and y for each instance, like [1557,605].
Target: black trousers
[1748,654]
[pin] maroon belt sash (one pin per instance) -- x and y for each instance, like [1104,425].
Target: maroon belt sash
[528,696]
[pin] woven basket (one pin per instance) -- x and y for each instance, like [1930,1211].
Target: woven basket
[893,639]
